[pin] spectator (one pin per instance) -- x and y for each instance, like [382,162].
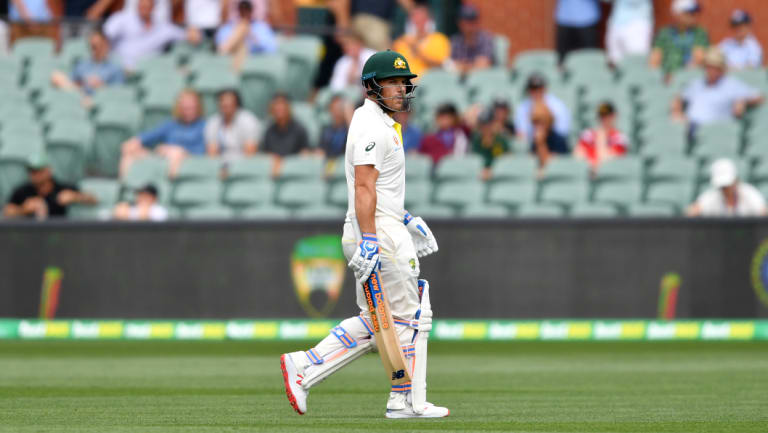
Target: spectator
[145,207]
[245,35]
[630,28]
[728,196]
[333,139]
[371,20]
[412,135]
[451,137]
[203,16]
[349,68]
[716,96]
[472,48]
[424,47]
[545,140]
[742,50]
[577,22]
[91,74]
[285,136]
[501,118]
[161,11]
[43,196]
[604,142]
[173,139]
[683,43]
[136,34]
[536,88]
[233,131]
[488,142]
[31,18]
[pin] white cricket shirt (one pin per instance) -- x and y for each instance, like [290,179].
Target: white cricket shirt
[375,139]
[749,202]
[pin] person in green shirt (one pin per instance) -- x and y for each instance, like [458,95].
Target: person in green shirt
[488,142]
[681,44]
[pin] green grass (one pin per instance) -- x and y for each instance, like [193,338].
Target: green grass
[522,387]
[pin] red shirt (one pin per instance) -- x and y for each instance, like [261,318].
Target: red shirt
[617,144]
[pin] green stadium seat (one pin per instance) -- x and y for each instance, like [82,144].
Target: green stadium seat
[106,191]
[15,113]
[248,192]
[490,92]
[199,167]
[593,210]
[683,78]
[532,60]
[208,82]
[489,211]
[338,194]
[625,168]
[21,141]
[28,48]
[418,192]
[149,170]
[195,193]
[417,166]
[183,52]
[302,167]
[122,95]
[62,114]
[252,167]
[566,169]
[534,210]
[585,58]
[264,213]
[74,50]
[678,194]
[209,212]
[651,210]
[301,193]
[501,50]
[304,113]
[335,170]
[459,167]
[564,194]
[322,212]
[759,172]
[431,212]
[437,80]
[157,106]
[676,169]
[512,194]
[49,98]
[152,65]
[519,168]
[430,100]
[68,144]
[623,194]
[752,77]
[460,193]
[208,62]
[497,77]
[114,124]
[303,53]
[261,76]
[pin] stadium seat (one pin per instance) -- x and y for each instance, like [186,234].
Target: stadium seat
[264,213]
[64,114]
[300,193]
[28,48]
[593,210]
[208,82]
[21,141]
[304,113]
[501,50]
[759,172]
[623,194]
[208,63]
[459,167]
[301,167]
[114,124]
[518,168]
[678,194]
[183,52]
[683,78]
[209,212]
[303,53]
[496,77]
[248,192]
[15,113]
[417,167]
[49,99]
[338,194]
[152,65]
[533,210]
[438,80]
[461,193]
[261,76]
[114,95]
[675,169]
[106,191]
[149,170]
[252,167]
[566,169]
[323,212]
[485,211]
[418,192]
[199,167]
[512,194]
[650,210]
[433,211]
[68,145]
[565,194]
[335,170]
[625,168]
[533,60]
[157,106]
[74,50]
[752,77]
[195,193]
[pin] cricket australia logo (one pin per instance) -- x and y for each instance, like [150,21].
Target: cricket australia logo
[760,272]
[317,267]
[400,63]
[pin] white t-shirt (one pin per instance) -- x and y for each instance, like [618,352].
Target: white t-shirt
[245,127]
[749,202]
[156,213]
[202,14]
[341,70]
[374,139]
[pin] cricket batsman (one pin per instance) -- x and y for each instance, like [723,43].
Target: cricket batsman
[381,238]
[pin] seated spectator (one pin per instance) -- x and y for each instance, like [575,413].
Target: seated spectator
[285,136]
[728,196]
[501,115]
[604,142]
[173,139]
[630,29]
[472,48]
[412,135]
[682,44]
[245,35]
[203,16]
[136,34]
[161,11]
[43,196]
[94,73]
[716,96]
[488,142]
[372,20]
[451,137]
[349,68]
[424,47]
[144,208]
[546,140]
[742,50]
[536,89]
[233,131]
[333,138]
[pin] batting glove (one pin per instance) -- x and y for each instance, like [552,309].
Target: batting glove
[422,236]
[366,258]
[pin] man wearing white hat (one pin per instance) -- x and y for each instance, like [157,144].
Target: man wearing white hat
[728,197]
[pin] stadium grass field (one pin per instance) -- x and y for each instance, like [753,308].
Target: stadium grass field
[120,386]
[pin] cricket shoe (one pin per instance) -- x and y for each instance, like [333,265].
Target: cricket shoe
[297,395]
[399,407]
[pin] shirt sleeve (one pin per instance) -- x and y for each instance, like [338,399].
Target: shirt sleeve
[113,27]
[250,127]
[210,131]
[756,59]
[756,199]
[708,202]
[156,135]
[266,38]
[742,91]
[158,213]
[661,39]
[340,74]
[369,150]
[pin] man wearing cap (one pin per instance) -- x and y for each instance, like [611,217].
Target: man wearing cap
[43,196]
[472,48]
[536,88]
[728,196]
[716,96]
[681,44]
[742,50]
[380,237]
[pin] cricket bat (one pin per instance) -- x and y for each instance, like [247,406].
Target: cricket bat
[384,327]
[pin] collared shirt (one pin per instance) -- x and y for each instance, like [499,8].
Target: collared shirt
[288,140]
[232,138]
[712,103]
[108,72]
[677,46]
[577,13]
[749,202]
[261,38]
[187,135]
[628,11]
[342,70]
[38,10]
[464,51]
[742,54]
[376,139]
[489,150]
[132,41]
[560,112]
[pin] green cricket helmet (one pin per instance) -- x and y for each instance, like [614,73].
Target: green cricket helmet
[387,64]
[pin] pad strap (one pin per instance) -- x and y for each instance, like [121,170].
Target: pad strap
[409,323]
[344,337]
[406,387]
[314,357]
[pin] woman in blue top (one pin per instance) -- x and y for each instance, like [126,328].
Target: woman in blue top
[173,139]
